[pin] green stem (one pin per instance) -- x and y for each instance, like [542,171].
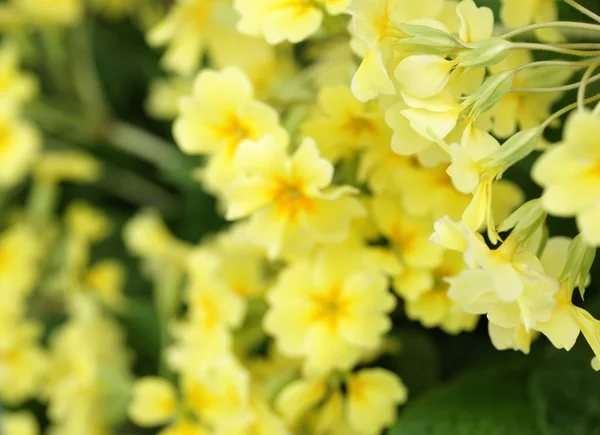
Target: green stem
[42,200]
[566,109]
[554,49]
[144,145]
[557,88]
[584,81]
[85,76]
[552,24]
[566,63]
[166,298]
[583,10]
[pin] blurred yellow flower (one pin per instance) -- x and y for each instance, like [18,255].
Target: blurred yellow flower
[570,175]
[290,200]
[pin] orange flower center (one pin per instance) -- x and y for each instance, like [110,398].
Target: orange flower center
[330,307]
[290,199]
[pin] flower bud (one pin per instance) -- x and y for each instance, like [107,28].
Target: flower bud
[512,151]
[489,93]
[577,267]
[484,54]
[428,40]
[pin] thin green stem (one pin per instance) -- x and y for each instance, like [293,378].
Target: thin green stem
[41,202]
[554,24]
[166,298]
[585,11]
[566,63]
[85,76]
[554,49]
[596,111]
[584,81]
[143,145]
[566,109]
[556,88]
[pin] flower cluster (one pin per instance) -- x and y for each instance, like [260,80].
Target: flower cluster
[360,154]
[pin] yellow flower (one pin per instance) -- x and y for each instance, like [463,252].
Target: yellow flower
[185,30]
[520,13]
[409,235]
[289,199]
[373,397]
[526,109]
[219,397]
[147,236]
[164,95]
[284,20]
[16,87]
[426,296]
[88,367]
[68,165]
[87,222]
[342,125]
[22,361]
[213,311]
[44,13]
[20,144]
[106,279]
[220,115]
[184,427]
[367,407]
[243,265]
[330,311]
[570,175]
[374,25]
[508,284]
[154,402]
[20,254]
[19,423]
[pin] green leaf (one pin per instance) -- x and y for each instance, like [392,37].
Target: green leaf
[416,362]
[566,395]
[492,402]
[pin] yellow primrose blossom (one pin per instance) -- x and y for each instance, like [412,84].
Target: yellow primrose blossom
[214,310]
[385,171]
[570,175]
[367,407]
[221,113]
[185,30]
[330,310]
[16,86]
[426,296]
[20,144]
[87,222]
[106,280]
[520,13]
[19,423]
[243,265]
[44,13]
[20,255]
[22,361]
[508,284]
[408,235]
[154,402]
[147,236]
[68,165]
[374,26]
[290,200]
[342,125]
[526,109]
[284,20]
[88,364]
